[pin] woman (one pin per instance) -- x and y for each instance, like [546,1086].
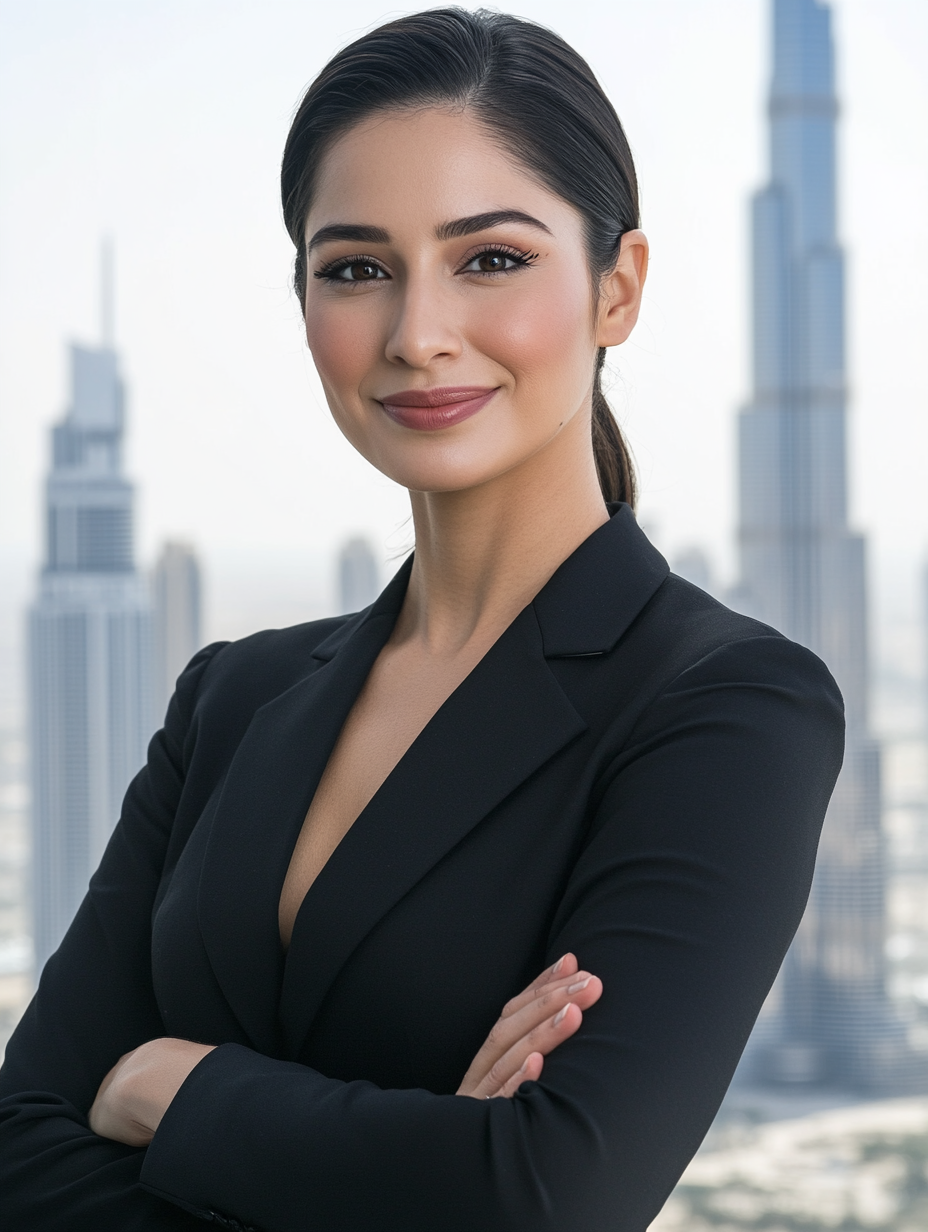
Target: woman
[357,839]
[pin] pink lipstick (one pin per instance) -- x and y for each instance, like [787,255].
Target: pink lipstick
[430,409]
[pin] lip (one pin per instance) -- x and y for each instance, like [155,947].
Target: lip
[430,409]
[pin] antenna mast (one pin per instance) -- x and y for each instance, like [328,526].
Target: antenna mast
[107,294]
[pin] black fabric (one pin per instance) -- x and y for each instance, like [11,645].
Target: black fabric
[633,773]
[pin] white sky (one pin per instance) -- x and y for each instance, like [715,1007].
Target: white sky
[163,123]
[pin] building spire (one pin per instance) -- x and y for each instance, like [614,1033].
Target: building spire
[107,294]
[803,570]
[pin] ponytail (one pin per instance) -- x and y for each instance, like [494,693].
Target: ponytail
[613,457]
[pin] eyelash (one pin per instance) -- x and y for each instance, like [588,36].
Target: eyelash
[523,258]
[330,272]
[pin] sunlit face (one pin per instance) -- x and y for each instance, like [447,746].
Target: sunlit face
[449,307]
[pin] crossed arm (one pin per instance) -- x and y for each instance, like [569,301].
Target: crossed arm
[137,1091]
[683,901]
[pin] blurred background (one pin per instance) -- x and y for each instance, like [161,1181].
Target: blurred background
[169,474]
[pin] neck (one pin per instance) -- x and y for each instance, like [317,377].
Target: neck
[483,553]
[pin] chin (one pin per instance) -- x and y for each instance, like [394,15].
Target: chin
[429,464]
[440,478]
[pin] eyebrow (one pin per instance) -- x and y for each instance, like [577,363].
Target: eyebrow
[349,231]
[456,229]
[483,222]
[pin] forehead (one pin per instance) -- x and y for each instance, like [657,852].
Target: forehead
[426,166]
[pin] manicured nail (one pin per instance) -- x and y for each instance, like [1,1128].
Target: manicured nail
[577,987]
[559,1017]
[557,966]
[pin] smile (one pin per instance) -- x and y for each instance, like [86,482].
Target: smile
[430,409]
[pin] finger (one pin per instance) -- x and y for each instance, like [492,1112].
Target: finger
[530,1071]
[539,989]
[543,1039]
[565,967]
[583,989]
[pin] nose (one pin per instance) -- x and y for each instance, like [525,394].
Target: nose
[424,328]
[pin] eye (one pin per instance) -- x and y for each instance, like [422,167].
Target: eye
[498,261]
[352,269]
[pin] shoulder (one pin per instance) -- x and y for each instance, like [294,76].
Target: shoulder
[613,617]
[698,645]
[234,679]
[272,659]
[685,648]
[681,613]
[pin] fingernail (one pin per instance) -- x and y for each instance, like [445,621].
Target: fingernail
[559,1017]
[577,987]
[524,1066]
[557,966]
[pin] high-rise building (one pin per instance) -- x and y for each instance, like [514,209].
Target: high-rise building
[358,575]
[803,569]
[89,645]
[924,615]
[176,602]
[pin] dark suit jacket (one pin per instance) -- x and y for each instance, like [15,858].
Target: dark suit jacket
[633,773]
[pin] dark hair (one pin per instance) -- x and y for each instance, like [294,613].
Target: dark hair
[537,95]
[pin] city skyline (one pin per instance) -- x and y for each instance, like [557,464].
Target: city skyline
[200,422]
[89,660]
[213,345]
[105,642]
[804,570]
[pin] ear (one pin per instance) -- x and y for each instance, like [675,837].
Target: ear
[620,298]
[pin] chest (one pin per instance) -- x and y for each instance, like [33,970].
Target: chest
[435,907]
[393,982]
[402,694]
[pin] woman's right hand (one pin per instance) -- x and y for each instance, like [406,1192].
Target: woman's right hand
[531,1025]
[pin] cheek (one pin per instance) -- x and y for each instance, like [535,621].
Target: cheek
[541,334]
[340,346]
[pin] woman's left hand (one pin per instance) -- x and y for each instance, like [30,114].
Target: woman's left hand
[531,1026]
[136,1093]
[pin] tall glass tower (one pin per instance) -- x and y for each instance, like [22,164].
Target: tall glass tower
[176,585]
[89,646]
[804,571]
[358,575]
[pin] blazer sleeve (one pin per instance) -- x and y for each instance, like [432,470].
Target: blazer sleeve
[94,1002]
[690,886]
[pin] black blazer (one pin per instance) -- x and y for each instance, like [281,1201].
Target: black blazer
[633,772]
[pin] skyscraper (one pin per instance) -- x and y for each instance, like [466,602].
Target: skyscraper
[358,575]
[176,601]
[89,645]
[924,615]
[803,569]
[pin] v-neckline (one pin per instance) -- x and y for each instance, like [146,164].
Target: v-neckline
[501,725]
[335,750]
[418,813]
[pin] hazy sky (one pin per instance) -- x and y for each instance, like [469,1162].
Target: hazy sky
[163,123]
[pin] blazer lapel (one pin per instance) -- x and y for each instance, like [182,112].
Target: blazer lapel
[504,721]
[268,788]
[590,601]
